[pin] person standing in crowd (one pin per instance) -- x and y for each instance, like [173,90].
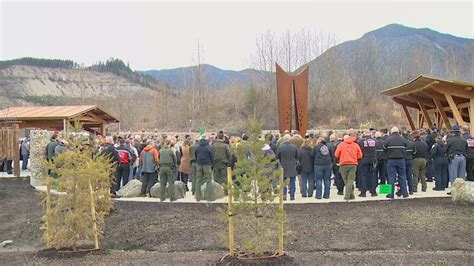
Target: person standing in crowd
[456,149]
[126,158]
[185,166]
[469,154]
[381,170]
[334,141]
[168,164]
[395,147]
[440,160]
[110,152]
[222,157]
[149,160]
[25,152]
[366,164]
[51,146]
[430,140]
[409,153]
[134,165]
[306,168]
[141,146]
[348,153]
[419,162]
[204,159]
[297,140]
[322,168]
[288,155]
[192,153]
[176,149]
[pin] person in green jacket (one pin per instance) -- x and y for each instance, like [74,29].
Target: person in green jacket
[222,156]
[51,146]
[168,164]
[192,152]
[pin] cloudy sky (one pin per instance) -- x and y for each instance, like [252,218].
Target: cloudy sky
[159,35]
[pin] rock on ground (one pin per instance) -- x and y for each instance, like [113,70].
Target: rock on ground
[215,191]
[131,189]
[179,190]
[462,191]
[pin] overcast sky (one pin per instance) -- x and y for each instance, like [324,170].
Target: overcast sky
[159,35]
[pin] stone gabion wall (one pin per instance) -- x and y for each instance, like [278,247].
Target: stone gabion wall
[38,142]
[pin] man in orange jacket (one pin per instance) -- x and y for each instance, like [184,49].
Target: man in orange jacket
[348,153]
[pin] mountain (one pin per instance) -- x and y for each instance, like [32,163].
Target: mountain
[215,78]
[346,80]
[395,54]
[112,85]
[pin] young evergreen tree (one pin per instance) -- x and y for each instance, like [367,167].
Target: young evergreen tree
[255,212]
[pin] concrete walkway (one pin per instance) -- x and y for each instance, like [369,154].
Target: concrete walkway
[300,200]
[23,173]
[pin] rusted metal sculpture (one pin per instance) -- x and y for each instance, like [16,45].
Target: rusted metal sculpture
[292,87]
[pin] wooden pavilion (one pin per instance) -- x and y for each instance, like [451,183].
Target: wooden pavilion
[93,119]
[440,101]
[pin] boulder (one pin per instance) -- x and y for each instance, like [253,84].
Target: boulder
[215,191]
[179,190]
[462,191]
[131,189]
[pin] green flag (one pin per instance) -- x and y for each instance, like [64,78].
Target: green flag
[202,130]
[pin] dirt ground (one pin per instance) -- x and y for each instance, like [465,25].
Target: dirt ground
[416,231]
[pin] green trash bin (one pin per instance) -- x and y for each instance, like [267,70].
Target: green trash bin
[385,189]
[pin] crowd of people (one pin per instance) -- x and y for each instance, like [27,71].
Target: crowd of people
[346,160]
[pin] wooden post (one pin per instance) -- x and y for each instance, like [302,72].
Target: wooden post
[280,213]
[457,115]
[48,212]
[94,220]
[16,150]
[231,218]
[425,114]
[2,144]
[102,129]
[408,116]
[442,112]
[471,115]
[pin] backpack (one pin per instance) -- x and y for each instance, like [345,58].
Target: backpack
[124,156]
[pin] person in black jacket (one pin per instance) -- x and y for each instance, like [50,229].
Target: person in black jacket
[126,158]
[456,149]
[395,147]
[440,160]
[287,154]
[111,153]
[366,164]
[409,154]
[204,159]
[381,170]
[333,142]
[306,168]
[430,140]
[470,154]
[322,168]
[419,162]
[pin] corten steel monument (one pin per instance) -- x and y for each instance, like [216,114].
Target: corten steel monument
[292,87]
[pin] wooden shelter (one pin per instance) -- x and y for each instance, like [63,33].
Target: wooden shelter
[440,101]
[91,117]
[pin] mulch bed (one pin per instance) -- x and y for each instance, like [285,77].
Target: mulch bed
[426,226]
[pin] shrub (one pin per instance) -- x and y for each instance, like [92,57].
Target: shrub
[70,221]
